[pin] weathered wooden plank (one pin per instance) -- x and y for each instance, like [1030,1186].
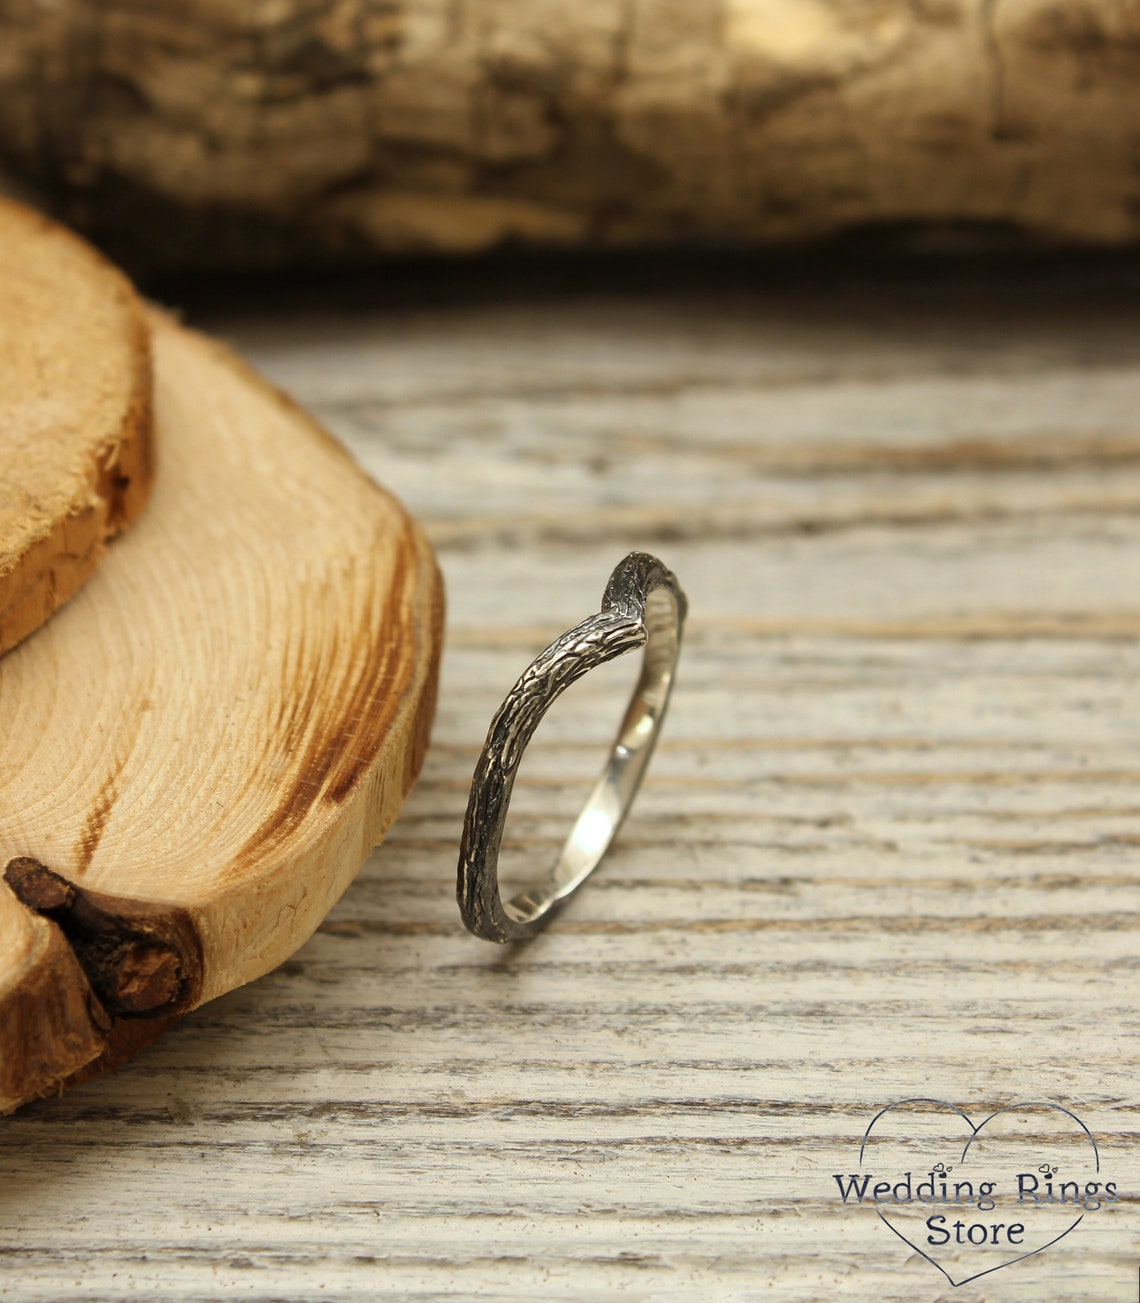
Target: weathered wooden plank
[889,845]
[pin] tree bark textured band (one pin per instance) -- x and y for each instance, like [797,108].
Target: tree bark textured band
[643,606]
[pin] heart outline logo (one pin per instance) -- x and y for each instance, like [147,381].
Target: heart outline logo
[975,1132]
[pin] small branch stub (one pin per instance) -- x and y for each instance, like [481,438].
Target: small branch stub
[142,961]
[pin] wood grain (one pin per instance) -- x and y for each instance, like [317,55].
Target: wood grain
[888,846]
[204,747]
[75,415]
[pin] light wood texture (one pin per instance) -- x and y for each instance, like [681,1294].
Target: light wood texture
[75,415]
[213,133]
[888,846]
[209,740]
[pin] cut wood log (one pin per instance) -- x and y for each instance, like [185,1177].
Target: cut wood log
[235,134]
[203,747]
[75,415]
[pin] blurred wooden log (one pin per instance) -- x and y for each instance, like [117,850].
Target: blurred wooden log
[221,133]
[75,415]
[202,748]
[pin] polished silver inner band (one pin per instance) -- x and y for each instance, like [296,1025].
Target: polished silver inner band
[643,606]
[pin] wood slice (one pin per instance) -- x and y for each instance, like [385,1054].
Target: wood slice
[203,747]
[75,415]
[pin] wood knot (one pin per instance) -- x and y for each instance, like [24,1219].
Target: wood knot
[142,960]
[38,887]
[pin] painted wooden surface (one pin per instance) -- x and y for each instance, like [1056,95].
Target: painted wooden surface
[889,846]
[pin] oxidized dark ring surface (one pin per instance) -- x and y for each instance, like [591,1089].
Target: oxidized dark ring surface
[643,606]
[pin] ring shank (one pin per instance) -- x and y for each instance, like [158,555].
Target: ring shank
[609,802]
[643,607]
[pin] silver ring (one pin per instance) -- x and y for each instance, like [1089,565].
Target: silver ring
[643,606]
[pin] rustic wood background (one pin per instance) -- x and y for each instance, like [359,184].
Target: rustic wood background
[889,846]
[207,134]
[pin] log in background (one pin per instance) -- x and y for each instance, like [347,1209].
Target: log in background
[888,847]
[210,132]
